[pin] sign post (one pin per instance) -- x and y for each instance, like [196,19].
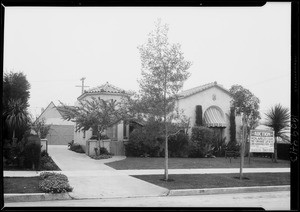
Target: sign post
[261,141]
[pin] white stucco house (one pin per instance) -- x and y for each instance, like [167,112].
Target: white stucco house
[215,101]
[61,131]
[118,132]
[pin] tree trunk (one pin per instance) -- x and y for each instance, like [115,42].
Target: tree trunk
[166,130]
[275,150]
[166,154]
[14,139]
[242,151]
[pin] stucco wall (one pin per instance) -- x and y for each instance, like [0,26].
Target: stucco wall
[78,137]
[205,99]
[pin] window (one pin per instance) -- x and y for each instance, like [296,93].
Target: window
[112,132]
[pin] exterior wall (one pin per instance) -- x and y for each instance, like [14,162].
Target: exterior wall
[80,139]
[204,98]
[60,134]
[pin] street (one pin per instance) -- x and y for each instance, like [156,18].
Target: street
[268,200]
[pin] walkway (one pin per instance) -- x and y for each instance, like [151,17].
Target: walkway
[93,179]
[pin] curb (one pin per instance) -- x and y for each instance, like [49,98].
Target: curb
[33,197]
[229,190]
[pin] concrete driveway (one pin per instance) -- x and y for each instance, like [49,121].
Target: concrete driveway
[93,179]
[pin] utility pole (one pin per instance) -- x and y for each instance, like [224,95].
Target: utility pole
[82,85]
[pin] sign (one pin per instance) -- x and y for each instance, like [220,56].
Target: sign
[262,141]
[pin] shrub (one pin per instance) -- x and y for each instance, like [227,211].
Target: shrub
[32,152]
[202,141]
[75,147]
[54,183]
[47,163]
[219,147]
[199,119]
[231,146]
[44,153]
[178,145]
[104,151]
[98,157]
[145,141]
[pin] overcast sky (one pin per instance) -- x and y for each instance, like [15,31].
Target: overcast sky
[56,47]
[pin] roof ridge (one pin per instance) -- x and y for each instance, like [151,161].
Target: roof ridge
[200,88]
[105,88]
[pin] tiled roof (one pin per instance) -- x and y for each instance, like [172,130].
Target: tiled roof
[198,89]
[106,88]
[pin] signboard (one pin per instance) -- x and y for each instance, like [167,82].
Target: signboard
[262,141]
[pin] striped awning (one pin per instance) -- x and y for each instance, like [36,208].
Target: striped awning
[213,117]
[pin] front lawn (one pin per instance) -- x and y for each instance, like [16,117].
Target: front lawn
[200,181]
[21,185]
[195,163]
[47,182]
[46,164]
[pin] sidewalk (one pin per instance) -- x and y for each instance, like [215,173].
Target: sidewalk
[93,179]
[93,173]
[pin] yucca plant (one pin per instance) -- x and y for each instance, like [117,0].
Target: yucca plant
[278,118]
[16,115]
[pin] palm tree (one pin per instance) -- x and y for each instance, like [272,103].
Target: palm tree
[278,118]
[16,115]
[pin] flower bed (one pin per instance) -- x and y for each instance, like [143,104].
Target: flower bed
[47,163]
[99,157]
[101,153]
[51,182]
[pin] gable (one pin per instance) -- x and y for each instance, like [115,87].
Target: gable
[202,88]
[53,116]
[50,112]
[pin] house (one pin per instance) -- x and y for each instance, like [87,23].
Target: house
[215,101]
[118,132]
[61,131]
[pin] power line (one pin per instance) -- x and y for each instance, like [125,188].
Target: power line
[270,79]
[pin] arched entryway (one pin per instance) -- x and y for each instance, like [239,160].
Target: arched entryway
[214,118]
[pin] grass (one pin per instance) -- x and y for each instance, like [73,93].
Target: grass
[21,185]
[195,163]
[199,181]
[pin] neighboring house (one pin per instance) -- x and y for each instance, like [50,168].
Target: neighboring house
[215,101]
[61,131]
[118,132]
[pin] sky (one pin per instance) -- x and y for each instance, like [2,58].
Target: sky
[56,46]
